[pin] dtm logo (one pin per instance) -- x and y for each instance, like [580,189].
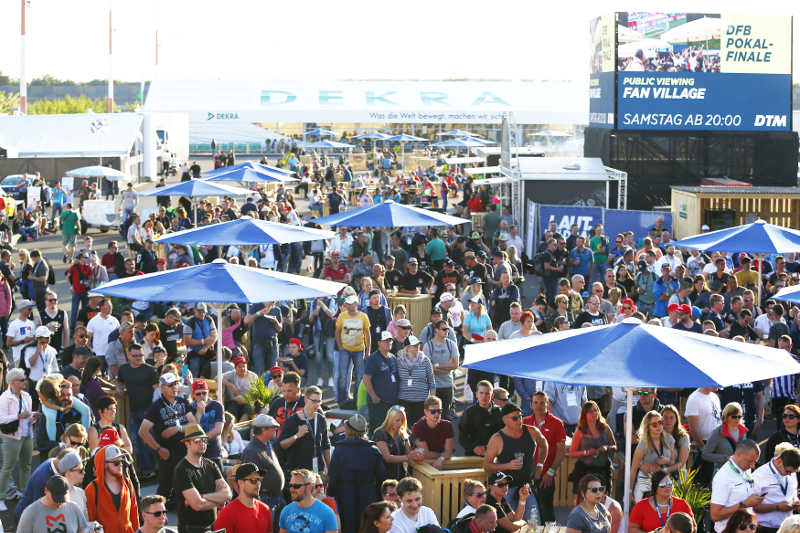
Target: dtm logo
[770,121]
[222,116]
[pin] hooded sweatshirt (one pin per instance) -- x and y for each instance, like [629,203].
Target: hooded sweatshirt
[101,505]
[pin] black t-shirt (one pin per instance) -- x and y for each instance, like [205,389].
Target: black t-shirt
[501,508]
[335,200]
[195,170]
[596,320]
[301,453]
[477,270]
[69,370]
[87,313]
[421,280]
[139,383]
[204,479]
[447,277]
[169,338]
[777,329]
[392,278]
[745,331]
[164,415]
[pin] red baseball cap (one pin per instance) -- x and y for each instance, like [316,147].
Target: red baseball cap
[108,436]
[239,361]
[296,341]
[275,370]
[199,384]
[673,307]
[161,261]
[685,308]
[628,301]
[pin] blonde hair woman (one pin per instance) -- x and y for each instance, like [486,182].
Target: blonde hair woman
[231,439]
[391,438]
[673,426]
[655,451]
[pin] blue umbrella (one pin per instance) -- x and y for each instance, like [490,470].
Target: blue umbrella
[404,137]
[463,142]
[631,354]
[788,294]
[319,132]
[250,175]
[327,144]
[389,214]
[374,135]
[245,231]
[195,188]
[98,171]
[219,282]
[758,237]
[456,133]
[246,164]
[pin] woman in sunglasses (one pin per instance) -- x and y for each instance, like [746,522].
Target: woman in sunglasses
[654,452]
[722,442]
[742,521]
[590,515]
[592,444]
[652,513]
[391,438]
[789,432]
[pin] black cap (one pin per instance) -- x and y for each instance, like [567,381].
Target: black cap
[82,350]
[245,469]
[481,253]
[58,488]
[496,477]
[373,292]
[510,408]
[642,265]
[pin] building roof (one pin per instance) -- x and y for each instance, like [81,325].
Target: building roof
[559,168]
[69,135]
[710,189]
[399,101]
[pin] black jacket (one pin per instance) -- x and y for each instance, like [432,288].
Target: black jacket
[354,479]
[477,425]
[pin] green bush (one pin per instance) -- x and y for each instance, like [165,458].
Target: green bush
[259,395]
[697,495]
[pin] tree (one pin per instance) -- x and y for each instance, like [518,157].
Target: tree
[8,102]
[7,80]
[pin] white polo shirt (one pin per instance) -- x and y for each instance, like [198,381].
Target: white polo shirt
[730,486]
[779,489]
[101,328]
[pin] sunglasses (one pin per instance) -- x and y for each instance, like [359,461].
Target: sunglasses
[116,462]
[254,481]
[789,415]
[318,485]
[643,392]
[502,484]
[595,490]
[435,411]
[656,424]
[201,394]
[297,486]
[52,299]
[200,440]
[516,418]
[156,513]
[751,526]
[735,416]
[665,483]
[479,494]
[75,443]
[398,408]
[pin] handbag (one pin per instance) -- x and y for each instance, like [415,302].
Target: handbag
[9,428]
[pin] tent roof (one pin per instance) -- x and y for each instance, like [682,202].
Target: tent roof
[398,101]
[582,168]
[69,135]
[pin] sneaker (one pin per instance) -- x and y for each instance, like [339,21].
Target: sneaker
[3,507]
[15,495]
[64,259]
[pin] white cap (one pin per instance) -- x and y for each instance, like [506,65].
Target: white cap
[704,227]
[386,336]
[412,340]
[168,378]
[446,297]
[352,299]
[43,331]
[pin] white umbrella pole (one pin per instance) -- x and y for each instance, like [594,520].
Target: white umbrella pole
[219,354]
[628,439]
[760,273]
[194,208]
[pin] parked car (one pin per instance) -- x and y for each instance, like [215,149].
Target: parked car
[16,186]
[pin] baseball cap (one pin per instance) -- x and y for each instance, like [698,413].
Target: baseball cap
[386,336]
[161,261]
[672,307]
[481,254]
[82,350]
[168,378]
[112,452]
[109,436]
[193,431]
[412,340]
[665,265]
[476,299]
[25,304]
[642,265]
[497,477]
[275,370]
[446,297]
[412,261]
[475,235]
[264,421]
[502,237]
[68,462]
[246,469]
[685,309]
[704,227]
[43,331]
[296,341]
[436,310]
[352,299]
[239,361]
[199,384]
[449,262]
[357,423]
[475,280]
[403,323]
[58,488]
[374,292]
[201,308]
[510,408]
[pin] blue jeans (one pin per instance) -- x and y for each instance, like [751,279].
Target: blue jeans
[79,301]
[57,210]
[346,361]
[530,503]
[264,355]
[145,457]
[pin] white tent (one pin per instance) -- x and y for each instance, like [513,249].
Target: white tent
[229,131]
[702,29]
[626,35]
[650,47]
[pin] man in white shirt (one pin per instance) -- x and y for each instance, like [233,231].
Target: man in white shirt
[670,258]
[777,478]
[40,358]
[99,328]
[703,413]
[20,330]
[733,487]
[411,514]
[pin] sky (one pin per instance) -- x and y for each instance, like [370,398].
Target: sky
[323,40]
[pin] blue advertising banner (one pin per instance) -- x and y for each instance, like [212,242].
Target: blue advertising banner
[639,222]
[601,99]
[614,221]
[565,216]
[703,101]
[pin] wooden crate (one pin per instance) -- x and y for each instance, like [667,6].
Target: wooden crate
[418,309]
[442,490]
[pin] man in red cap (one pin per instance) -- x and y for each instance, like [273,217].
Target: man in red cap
[211,417]
[239,382]
[275,381]
[627,310]
[685,320]
[672,317]
[161,264]
[296,361]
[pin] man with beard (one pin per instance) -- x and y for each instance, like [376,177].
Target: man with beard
[306,514]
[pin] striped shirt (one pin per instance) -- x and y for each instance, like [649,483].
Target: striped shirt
[784,386]
[416,377]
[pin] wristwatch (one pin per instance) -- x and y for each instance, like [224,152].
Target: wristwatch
[742,505]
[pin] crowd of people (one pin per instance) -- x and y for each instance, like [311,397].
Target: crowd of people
[689,59]
[225,459]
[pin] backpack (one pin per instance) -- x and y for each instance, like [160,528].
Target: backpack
[460,524]
[538,263]
[51,275]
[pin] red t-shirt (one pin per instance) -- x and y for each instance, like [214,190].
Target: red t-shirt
[644,516]
[335,274]
[433,437]
[238,518]
[553,430]
[74,275]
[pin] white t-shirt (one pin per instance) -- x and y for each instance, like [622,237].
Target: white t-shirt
[18,330]
[706,407]
[455,313]
[465,511]
[779,489]
[100,328]
[730,486]
[46,363]
[403,524]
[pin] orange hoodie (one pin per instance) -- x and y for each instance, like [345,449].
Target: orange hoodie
[101,506]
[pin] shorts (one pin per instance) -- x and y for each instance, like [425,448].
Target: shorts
[69,240]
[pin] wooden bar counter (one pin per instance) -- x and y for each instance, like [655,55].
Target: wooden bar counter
[418,309]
